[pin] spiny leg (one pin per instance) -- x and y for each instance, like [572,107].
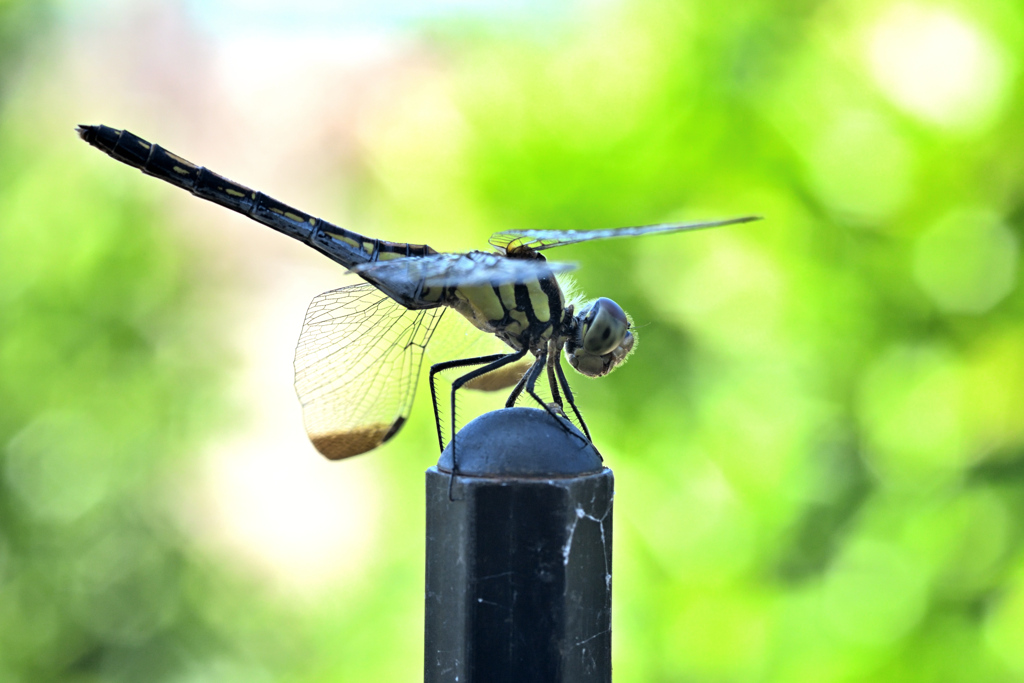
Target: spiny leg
[516,391]
[552,362]
[500,361]
[569,397]
[531,382]
[534,373]
[448,365]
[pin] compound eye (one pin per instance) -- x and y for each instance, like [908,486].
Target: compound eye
[605,326]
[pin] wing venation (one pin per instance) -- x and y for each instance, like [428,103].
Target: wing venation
[509,241]
[356,366]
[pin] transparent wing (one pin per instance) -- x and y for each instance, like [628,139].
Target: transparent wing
[510,241]
[454,270]
[457,338]
[356,366]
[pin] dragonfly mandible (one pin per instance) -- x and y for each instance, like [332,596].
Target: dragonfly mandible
[361,346]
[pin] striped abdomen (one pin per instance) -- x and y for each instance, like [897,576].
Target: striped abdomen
[344,246]
[522,313]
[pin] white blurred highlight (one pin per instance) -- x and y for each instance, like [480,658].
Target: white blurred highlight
[937,65]
[299,520]
[271,500]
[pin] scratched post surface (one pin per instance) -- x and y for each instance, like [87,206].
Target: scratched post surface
[518,580]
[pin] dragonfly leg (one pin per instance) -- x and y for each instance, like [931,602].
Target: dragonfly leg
[516,391]
[571,400]
[462,363]
[531,381]
[552,363]
[495,362]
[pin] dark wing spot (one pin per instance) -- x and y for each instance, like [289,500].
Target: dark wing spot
[399,423]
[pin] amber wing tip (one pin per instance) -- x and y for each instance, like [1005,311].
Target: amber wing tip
[336,445]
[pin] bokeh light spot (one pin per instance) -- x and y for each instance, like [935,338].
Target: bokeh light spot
[861,167]
[56,466]
[123,588]
[911,408]
[873,595]
[301,522]
[719,636]
[937,65]
[967,261]
[963,540]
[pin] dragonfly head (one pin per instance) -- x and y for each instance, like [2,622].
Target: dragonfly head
[602,339]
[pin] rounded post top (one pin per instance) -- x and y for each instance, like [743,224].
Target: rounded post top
[524,442]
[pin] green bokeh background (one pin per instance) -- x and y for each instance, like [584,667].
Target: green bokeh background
[818,446]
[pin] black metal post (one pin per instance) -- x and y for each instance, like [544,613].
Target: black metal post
[518,582]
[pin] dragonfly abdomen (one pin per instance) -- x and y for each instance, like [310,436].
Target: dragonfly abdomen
[343,246]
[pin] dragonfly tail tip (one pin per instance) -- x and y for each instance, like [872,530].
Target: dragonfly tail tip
[85,132]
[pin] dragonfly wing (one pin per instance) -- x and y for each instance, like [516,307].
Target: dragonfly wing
[457,338]
[511,240]
[356,366]
[455,270]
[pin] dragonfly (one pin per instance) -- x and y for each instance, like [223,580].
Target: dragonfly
[361,347]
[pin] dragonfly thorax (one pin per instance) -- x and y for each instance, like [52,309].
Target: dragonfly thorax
[601,340]
[522,314]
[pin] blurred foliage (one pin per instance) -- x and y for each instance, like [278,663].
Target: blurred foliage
[19,23]
[819,444]
[105,379]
